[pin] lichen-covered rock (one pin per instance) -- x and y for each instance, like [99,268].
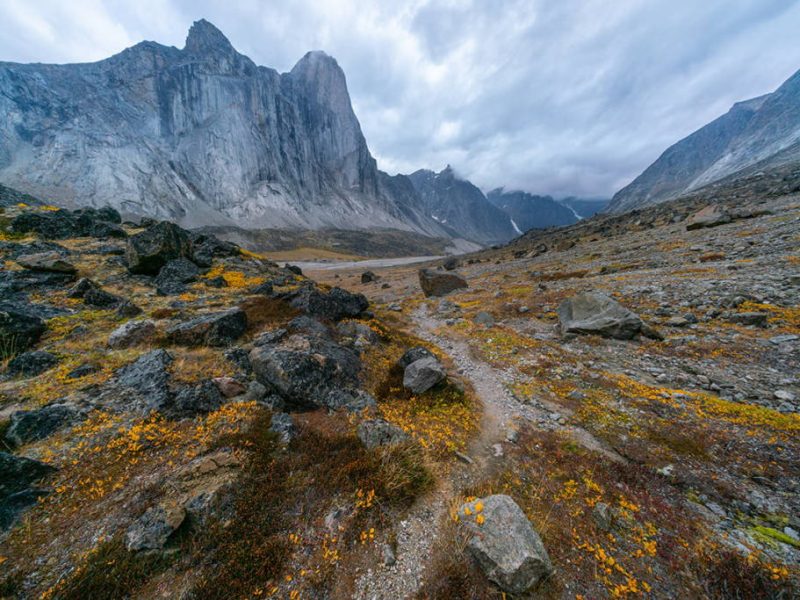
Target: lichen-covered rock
[30,364]
[305,371]
[148,378]
[152,530]
[151,249]
[378,432]
[283,425]
[173,276]
[195,400]
[207,247]
[31,425]
[421,375]
[504,543]
[413,355]
[213,329]
[20,327]
[46,261]
[438,283]
[132,333]
[335,305]
[17,478]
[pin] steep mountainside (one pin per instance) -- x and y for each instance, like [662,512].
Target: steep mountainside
[528,211]
[200,135]
[763,130]
[585,207]
[458,204]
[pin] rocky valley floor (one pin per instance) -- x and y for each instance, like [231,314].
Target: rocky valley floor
[184,419]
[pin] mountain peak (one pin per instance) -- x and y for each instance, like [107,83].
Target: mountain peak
[204,37]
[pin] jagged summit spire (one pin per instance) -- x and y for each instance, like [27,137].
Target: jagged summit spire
[204,36]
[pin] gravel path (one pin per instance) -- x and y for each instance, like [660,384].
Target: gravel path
[502,415]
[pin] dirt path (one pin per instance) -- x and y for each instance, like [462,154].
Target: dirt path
[502,417]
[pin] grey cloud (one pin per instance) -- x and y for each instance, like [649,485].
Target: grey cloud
[571,97]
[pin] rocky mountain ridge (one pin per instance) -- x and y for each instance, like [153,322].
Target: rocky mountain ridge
[763,130]
[200,135]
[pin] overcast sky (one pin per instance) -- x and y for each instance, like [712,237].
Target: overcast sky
[567,97]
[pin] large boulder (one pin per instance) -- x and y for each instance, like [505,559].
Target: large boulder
[334,305]
[151,249]
[378,432]
[710,216]
[132,333]
[50,262]
[206,247]
[504,543]
[20,327]
[597,314]
[17,491]
[60,224]
[413,355]
[214,329]
[145,381]
[93,295]
[173,276]
[421,375]
[307,373]
[199,399]
[438,283]
[30,364]
[31,425]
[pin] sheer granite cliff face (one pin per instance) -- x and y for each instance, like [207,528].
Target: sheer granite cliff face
[200,135]
[761,133]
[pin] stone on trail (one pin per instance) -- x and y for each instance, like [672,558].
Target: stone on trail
[504,543]
[438,283]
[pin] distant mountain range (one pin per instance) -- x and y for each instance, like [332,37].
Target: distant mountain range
[760,134]
[528,211]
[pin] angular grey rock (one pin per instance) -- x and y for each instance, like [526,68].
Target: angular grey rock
[213,329]
[350,399]
[148,251]
[17,491]
[20,327]
[306,375]
[46,261]
[752,319]
[421,375]
[335,305]
[196,400]
[30,364]
[437,283]
[174,275]
[594,313]
[710,216]
[152,530]
[31,425]
[378,432]
[132,333]
[505,544]
[412,355]
[360,332]
[148,378]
